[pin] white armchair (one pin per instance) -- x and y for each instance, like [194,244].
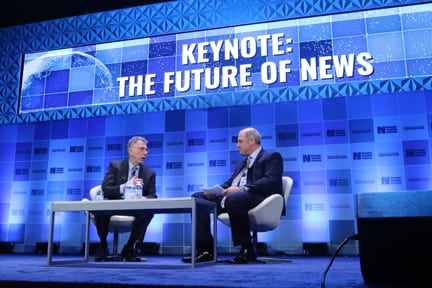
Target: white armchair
[266,216]
[118,224]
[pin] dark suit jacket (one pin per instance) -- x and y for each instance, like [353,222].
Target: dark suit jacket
[117,174]
[264,178]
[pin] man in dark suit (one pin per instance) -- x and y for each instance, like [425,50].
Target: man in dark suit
[113,185]
[253,180]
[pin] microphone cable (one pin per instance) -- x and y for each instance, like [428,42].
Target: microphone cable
[352,237]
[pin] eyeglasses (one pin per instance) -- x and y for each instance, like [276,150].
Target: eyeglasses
[142,149]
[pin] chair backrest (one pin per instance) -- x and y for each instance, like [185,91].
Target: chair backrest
[287,183]
[94,191]
[119,223]
[266,216]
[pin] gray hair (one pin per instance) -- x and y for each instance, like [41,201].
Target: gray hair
[132,141]
[252,133]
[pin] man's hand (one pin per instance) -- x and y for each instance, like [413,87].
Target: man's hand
[230,190]
[209,196]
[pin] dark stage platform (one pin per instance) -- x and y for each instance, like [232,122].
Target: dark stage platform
[21,270]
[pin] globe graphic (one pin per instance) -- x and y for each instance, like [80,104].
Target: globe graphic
[36,72]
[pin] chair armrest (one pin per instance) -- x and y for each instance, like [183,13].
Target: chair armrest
[266,215]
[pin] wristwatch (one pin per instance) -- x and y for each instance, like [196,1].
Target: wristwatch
[242,189]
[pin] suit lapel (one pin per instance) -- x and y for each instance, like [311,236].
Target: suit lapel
[124,169]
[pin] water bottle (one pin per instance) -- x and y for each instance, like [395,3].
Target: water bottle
[99,195]
[129,191]
[138,190]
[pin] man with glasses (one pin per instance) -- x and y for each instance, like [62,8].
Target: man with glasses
[114,184]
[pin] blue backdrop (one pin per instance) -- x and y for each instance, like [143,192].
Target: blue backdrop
[68,108]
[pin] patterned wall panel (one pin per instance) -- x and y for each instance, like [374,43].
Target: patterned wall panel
[151,20]
[337,138]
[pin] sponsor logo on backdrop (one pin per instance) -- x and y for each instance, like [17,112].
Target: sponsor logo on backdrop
[34,213]
[415,127]
[155,144]
[76,149]
[196,142]
[337,157]
[290,159]
[73,191]
[174,165]
[17,212]
[287,136]
[314,207]
[217,140]
[339,182]
[37,192]
[218,163]
[176,143]
[418,179]
[56,150]
[174,189]
[311,134]
[93,169]
[388,154]
[388,180]
[312,158]
[40,151]
[336,133]
[413,153]
[313,183]
[362,155]
[23,152]
[21,171]
[193,187]
[56,170]
[94,148]
[387,129]
[114,147]
[364,181]
[194,164]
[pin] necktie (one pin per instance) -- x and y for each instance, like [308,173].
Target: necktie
[236,180]
[133,171]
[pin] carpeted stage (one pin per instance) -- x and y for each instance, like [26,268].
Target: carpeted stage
[31,270]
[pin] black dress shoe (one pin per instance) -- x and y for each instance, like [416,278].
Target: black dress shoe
[202,257]
[131,259]
[101,253]
[128,254]
[245,256]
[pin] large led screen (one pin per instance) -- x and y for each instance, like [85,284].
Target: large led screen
[313,51]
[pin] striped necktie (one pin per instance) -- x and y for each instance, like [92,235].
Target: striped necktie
[242,172]
[134,170]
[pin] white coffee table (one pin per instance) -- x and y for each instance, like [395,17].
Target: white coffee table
[131,207]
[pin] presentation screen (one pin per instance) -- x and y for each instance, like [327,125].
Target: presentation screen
[362,46]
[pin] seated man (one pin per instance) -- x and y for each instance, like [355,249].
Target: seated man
[254,179]
[113,185]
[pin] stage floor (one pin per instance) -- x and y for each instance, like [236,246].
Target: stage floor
[169,271]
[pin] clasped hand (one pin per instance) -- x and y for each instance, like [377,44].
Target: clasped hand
[225,192]
[135,180]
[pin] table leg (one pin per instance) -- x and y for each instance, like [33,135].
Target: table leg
[215,233]
[50,237]
[193,224]
[87,235]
